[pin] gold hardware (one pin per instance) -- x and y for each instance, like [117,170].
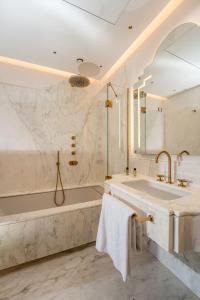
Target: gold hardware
[108,103]
[73,145]
[141,219]
[180,156]
[59,178]
[142,94]
[169,164]
[160,177]
[73,152]
[73,162]
[143,109]
[107,177]
[73,137]
[183,182]
[183,152]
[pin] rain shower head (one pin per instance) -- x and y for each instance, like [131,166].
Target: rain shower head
[79,81]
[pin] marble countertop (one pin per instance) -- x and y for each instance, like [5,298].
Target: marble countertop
[188,205]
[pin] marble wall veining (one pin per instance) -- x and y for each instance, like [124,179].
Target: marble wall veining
[41,236]
[35,123]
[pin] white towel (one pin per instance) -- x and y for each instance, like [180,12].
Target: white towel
[114,233]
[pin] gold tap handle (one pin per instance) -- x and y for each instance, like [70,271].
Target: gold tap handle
[160,177]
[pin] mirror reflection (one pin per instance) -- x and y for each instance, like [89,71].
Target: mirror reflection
[167,96]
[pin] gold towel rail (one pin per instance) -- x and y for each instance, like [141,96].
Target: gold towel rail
[139,219]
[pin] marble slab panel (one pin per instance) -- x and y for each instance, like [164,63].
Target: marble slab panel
[35,238]
[34,124]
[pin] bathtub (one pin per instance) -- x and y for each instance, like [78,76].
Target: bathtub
[32,227]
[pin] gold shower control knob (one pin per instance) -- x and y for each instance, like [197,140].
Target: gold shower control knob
[73,152]
[73,162]
[73,145]
[73,137]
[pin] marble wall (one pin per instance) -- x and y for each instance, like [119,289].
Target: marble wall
[35,123]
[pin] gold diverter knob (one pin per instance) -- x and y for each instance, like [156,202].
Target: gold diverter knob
[73,162]
[73,152]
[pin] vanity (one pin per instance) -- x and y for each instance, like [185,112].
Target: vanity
[175,210]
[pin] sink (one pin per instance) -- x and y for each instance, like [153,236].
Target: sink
[161,191]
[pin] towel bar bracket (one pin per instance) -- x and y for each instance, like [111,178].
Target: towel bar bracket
[142,219]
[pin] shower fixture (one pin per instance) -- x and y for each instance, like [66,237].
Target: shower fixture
[57,179]
[73,152]
[108,105]
[79,81]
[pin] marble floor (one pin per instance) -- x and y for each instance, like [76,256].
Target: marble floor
[87,275]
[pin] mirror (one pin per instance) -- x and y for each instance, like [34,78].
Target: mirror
[167,96]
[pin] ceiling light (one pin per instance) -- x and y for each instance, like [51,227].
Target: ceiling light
[89,69]
[79,60]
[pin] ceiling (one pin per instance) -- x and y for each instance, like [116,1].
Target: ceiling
[97,31]
[176,66]
[109,11]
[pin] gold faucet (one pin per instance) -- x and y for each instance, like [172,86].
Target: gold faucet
[183,152]
[169,164]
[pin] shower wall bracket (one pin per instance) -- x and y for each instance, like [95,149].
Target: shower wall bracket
[108,103]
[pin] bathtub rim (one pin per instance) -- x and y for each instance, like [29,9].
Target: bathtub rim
[41,213]
[71,187]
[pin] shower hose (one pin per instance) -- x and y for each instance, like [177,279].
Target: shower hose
[57,179]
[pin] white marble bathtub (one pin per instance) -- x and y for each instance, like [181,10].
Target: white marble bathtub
[31,226]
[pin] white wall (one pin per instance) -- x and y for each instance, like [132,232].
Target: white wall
[182,122]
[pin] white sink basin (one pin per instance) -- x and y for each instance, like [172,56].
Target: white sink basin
[161,191]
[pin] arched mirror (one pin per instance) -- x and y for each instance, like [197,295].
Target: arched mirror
[167,96]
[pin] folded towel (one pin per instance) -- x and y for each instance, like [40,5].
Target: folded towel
[136,236]
[116,233]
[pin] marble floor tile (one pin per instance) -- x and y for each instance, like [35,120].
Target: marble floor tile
[86,274]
